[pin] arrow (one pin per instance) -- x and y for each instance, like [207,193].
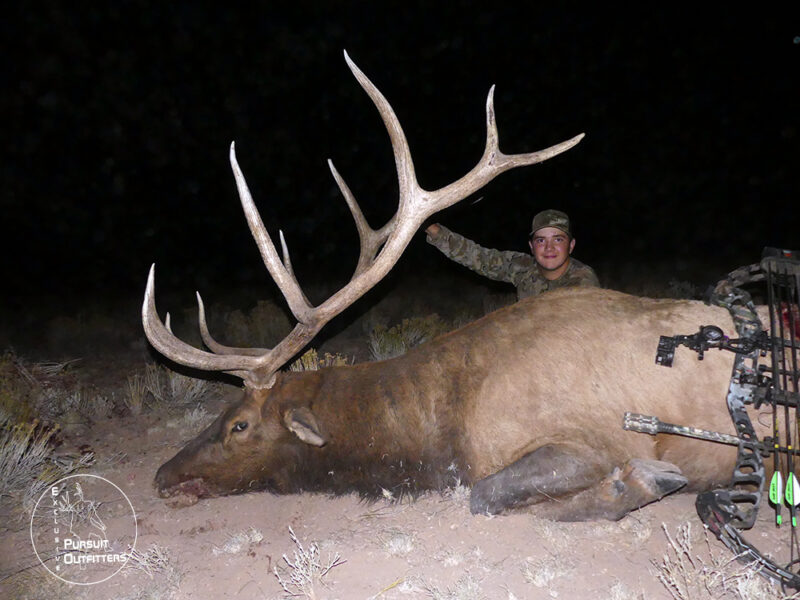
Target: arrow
[776,495]
[792,496]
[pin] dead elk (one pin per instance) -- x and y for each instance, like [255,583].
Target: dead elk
[524,405]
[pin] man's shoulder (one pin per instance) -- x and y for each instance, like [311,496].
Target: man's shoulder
[580,273]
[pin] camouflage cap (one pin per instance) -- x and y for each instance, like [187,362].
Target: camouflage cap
[551,218]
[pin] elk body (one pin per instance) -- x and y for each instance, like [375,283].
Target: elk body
[525,405]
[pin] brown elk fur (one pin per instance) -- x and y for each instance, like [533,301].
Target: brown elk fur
[552,374]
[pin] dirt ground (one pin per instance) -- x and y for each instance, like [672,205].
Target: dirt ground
[243,547]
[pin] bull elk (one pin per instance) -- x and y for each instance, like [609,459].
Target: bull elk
[524,405]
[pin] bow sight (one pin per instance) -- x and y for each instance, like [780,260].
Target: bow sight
[726,512]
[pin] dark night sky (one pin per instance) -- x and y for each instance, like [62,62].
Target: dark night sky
[118,117]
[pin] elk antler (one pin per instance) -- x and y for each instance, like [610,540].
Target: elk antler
[380,249]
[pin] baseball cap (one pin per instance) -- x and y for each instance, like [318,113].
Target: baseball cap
[551,218]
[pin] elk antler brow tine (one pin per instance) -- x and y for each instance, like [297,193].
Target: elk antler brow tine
[214,345]
[163,340]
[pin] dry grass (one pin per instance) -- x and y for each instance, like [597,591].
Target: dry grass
[49,391]
[239,542]
[157,564]
[619,591]
[25,451]
[312,361]
[27,463]
[389,342]
[169,388]
[160,388]
[302,575]
[263,326]
[162,583]
[397,543]
[137,392]
[152,561]
[689,574]
[38,583]
[541,572]
[84,406]
[193,420]
[466,588]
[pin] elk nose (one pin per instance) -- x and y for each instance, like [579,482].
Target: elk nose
[166,478]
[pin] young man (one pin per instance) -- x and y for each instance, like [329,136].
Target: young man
[551,265]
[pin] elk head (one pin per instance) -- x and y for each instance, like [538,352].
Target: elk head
[248,444]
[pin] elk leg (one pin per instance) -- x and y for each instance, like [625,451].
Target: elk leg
[547,472]
[639,483]
[552,472]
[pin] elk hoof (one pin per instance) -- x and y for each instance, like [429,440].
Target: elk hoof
[484,501]
[652,479]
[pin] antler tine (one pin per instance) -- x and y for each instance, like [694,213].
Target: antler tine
[287,263]
[370,239]
[509,161]
[492,163]
[283,277]
[163,340]
[214,345]
[406,178]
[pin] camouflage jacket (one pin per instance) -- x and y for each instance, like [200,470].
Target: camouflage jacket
[517,268]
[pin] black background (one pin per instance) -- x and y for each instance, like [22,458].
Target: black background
[118,119]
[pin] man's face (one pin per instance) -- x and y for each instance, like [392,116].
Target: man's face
[551,248]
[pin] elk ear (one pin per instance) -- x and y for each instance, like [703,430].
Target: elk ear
[302,423]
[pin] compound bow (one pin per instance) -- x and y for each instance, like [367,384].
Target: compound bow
[727,512]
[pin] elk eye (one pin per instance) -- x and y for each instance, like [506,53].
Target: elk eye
[239,426]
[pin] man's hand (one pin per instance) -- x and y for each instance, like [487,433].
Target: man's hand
[433,229]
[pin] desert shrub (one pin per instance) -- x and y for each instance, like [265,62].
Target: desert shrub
[398,543]
[239,542]
[311,361]
[84,405]
[24,451]
[542,572]
[688,575]
[303,573]
[192,420]
[152,561]
[160,388]
[28,465]
[36,583]
[264,325]
[17,389]
[135,398]
[49,391]
[158,565]
[466,588]
[388,342]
